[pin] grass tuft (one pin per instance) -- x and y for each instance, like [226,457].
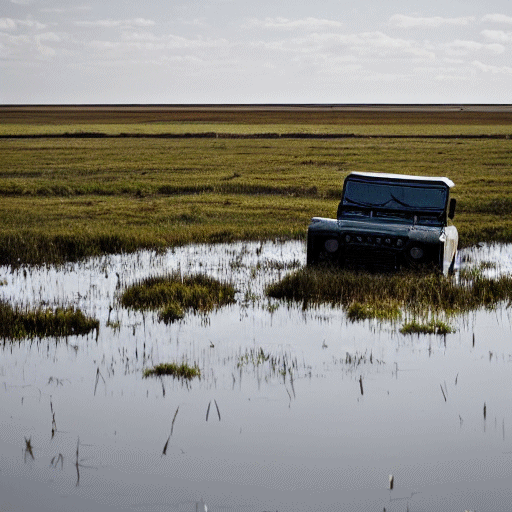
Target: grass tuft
[171,312]
[433,327]
[358,311]
[174,294]
[18,324]
[181,371]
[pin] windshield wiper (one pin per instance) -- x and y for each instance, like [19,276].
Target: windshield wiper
[399,202]
[365,205]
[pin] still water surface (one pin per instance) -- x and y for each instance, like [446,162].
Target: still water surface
[82,430]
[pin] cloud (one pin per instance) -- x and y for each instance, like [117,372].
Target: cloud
[7,24]
[403,21]
[10,24]
[497,18]
[150,43]
[307,24]
[450,78]
[373,44]
[498,35]
[31,24]
[486,68]
[460,48]
[62,10]
[48,36]
[136,22]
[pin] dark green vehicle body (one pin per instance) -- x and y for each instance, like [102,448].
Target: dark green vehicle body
[386,222]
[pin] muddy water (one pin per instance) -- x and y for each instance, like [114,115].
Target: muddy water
[81,429]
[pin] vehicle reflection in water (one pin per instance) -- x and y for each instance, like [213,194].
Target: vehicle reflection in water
[296,410]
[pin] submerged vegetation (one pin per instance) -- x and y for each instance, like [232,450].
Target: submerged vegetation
[365,293]
[174,294]
[65,198]
[272,364]
[181,371]
[18,324]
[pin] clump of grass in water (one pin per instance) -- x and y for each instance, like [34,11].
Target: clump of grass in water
[183,370]
[174,295]
[171,313]
[432,327]
[416,292]
[363,311]
[17,324]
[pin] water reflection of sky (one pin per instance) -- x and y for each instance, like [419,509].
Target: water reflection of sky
[310,441]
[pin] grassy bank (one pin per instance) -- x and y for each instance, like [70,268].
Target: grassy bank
[65,199]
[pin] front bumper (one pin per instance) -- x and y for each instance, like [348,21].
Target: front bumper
[373,251]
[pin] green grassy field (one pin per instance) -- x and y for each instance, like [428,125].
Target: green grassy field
[64,198]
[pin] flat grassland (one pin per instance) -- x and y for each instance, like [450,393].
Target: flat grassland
[85,180]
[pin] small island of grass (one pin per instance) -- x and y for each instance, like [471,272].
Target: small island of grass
[181,371]
[174,294]
[18,324]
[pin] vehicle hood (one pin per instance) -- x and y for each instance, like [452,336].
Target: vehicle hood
[419,233]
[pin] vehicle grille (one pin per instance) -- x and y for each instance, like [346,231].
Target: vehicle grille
[370,258]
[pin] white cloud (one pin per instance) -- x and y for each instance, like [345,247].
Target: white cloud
[496,48]
[61,10]
[497,18]
[136,22]
[10,24]
[196,22]
[150,43]
[381,44]
[450,78]
[403,21]
[498,35]
[48,36]
[7,24]
[486,68]
[460,48]
[32,24]
[307,24]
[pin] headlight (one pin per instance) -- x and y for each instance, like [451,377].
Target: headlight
[331,245]
[416,253]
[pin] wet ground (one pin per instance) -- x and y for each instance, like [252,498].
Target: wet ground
[321,425]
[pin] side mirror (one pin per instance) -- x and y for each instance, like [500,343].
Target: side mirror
[451,211]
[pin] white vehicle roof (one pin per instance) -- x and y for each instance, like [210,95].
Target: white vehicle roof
[448,182]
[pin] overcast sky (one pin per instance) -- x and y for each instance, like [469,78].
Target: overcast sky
[263,51]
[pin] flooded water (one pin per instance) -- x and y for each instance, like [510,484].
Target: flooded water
[320,426]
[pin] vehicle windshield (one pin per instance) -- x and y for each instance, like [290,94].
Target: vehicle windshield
[403,198]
